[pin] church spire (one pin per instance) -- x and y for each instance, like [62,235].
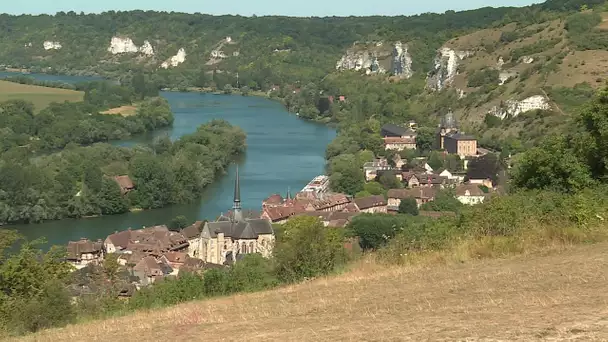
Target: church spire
[236,207]
[288,193]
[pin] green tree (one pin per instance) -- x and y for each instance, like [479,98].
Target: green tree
[349,181]
[425,139]
[553,166]
[110,198]
[445,200]
[408,206]
[374,231]
[307,249]
[178,222]
[390,181]
[227,89]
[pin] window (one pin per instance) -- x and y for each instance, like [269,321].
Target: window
[244,248]
[251,248]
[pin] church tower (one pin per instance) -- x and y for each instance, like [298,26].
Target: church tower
[236,207]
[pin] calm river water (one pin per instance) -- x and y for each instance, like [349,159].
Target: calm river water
[282,151]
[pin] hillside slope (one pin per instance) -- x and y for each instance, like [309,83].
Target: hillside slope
[552,297]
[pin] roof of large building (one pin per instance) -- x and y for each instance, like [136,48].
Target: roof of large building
[396,130]
[460,136]
[124,182]
[247,229]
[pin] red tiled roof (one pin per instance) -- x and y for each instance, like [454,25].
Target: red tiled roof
[281,213]
[275,199]
[124,182]
[331,201]
[370,202]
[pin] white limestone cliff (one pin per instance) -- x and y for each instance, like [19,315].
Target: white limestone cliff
[357,61]
[147,49]
[377,58]
[119,45]
[176,60]
[402,61]
[50,45]
[446,68]
[512,108]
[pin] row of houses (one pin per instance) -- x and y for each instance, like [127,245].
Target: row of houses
[467,194]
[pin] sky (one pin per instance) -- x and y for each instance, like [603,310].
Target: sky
[257,7]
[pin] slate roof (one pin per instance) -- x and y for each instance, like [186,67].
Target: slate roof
[459,136]
[247,229]
[394,130]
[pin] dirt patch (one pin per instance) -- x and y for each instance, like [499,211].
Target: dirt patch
[122,110]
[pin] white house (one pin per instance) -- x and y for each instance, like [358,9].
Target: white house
[470,194]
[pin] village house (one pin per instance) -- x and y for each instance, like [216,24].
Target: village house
[421,195]
[125,183]
[152,240]
[279,215]
[470,194]
[333,219]
[371,168]
[371,204]
[398,138]
[335,202]
[193,234]
[81,253]
[174,259]
[149,270]
[230,237]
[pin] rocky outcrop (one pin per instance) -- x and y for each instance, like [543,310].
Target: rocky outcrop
[504,76]
[176,60]
[120,45]
[377,58]
[356,60]
[147,49]
[512,108]
[402,61]
[50,45]
[446,68]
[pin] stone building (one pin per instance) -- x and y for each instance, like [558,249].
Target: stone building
[228,237]
[398,138]
[371,204]
[450,138]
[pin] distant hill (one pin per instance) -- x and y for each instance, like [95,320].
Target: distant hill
[552,55]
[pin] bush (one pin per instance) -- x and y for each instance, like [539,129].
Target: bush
[374,231]
[483,77]
[307,249]
[408,206]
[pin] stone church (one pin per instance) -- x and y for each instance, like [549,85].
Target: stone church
[229,238]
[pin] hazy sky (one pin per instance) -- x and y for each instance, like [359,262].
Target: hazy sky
[258,7]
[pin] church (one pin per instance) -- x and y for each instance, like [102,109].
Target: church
[452,140]
[229,238]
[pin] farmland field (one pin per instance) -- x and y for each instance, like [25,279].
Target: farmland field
[39,96]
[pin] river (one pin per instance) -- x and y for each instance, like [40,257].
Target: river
[282,151]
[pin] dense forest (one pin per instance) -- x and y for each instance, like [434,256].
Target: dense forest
[78,181]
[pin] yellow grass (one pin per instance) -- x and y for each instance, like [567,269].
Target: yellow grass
[556,295]
[39,96]
[122,110]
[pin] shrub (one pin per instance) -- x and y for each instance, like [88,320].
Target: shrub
[307,249]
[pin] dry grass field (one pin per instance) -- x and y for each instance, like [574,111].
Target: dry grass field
[556,295]
[39,96]
[122,110]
